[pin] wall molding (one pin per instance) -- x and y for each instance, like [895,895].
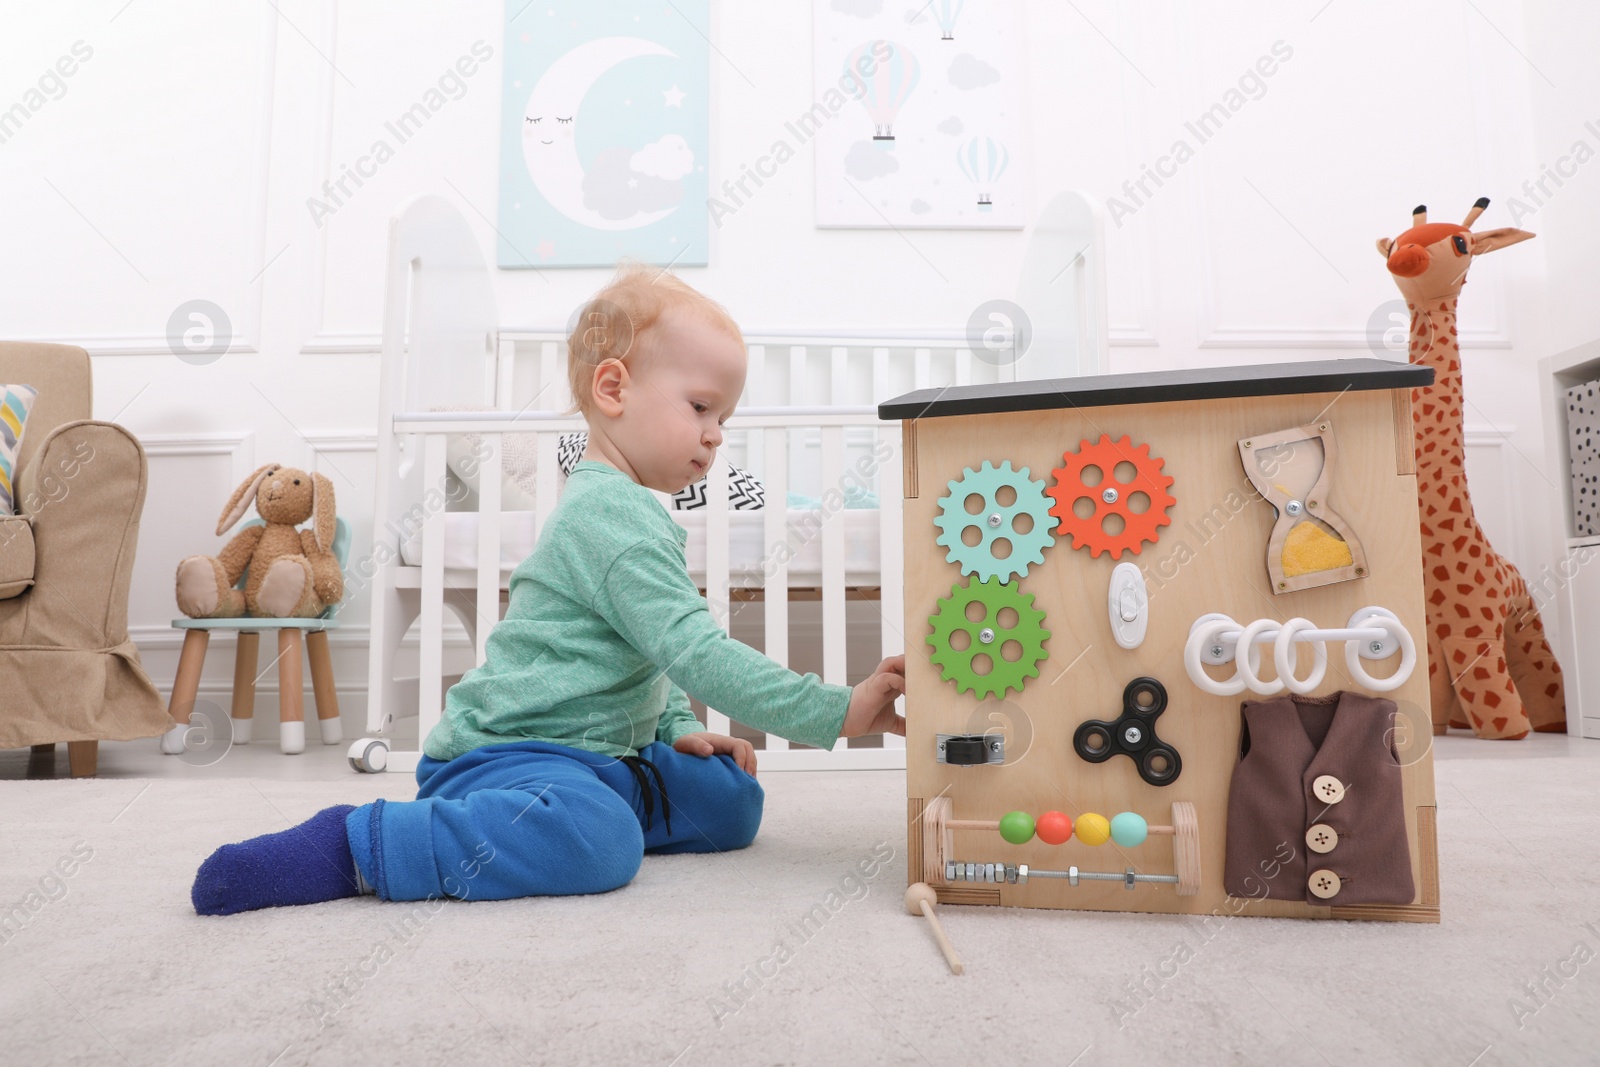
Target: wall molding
[246,334]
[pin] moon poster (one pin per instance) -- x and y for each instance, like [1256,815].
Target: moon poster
[604,133]
[918,120]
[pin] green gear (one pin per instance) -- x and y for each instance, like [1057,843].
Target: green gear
[995,520]
[988,637]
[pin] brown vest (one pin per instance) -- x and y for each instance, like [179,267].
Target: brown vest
[1315,811]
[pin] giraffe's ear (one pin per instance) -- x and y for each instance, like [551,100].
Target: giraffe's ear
[1384,245]
[1490,240]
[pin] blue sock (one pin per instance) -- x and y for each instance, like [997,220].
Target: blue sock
[304,864]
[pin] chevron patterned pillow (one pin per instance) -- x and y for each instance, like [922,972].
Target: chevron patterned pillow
[745,491]
[14,406]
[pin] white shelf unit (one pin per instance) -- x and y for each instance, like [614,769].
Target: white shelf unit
[1575,605]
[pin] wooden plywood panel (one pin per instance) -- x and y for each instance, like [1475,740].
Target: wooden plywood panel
[1211,558]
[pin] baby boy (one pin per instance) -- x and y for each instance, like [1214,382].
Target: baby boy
[573,751]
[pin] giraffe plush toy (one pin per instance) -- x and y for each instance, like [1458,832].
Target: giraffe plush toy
[1489,664]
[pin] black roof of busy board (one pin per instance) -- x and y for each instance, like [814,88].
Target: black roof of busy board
[1154,387]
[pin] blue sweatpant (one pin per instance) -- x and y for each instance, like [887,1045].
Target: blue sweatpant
[533,818]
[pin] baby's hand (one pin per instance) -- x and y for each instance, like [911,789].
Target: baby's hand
[872,702]
[708,744]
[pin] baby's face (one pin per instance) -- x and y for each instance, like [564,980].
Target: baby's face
[685,387]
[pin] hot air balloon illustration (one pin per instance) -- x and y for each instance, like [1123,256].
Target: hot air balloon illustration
[890,82]
[983,160]
[947,11]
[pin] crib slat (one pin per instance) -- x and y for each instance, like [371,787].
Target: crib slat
[545,473]
[834,642]
[775,563]
[838,375]
[892,590]
[505,363]
[756,393]
[430,670]
[487,602]
[551,392]
[797,375]
[922,368]
[963,366]
[717,561]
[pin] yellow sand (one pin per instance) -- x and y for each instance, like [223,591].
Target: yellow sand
[1309,549]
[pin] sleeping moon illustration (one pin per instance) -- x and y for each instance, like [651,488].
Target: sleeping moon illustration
[549,146]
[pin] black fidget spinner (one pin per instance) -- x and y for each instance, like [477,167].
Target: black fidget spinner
[1133,735]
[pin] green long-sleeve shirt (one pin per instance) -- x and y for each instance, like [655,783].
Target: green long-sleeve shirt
[606,633]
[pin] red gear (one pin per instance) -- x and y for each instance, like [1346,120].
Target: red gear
[1148,478]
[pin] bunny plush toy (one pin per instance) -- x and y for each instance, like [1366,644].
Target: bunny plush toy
[293,572]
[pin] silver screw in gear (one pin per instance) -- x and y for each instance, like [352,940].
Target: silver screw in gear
[986,635]
[1132,735]
[1216,651]
[1376,646]
[1109,496]
[1292,507]
[994,520]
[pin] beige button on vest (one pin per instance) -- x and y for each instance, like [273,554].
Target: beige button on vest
[1326,763]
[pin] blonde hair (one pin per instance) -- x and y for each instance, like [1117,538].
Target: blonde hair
[620,320]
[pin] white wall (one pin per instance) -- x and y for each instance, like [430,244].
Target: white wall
[178,162]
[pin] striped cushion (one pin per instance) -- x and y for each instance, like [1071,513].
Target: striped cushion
[14,407]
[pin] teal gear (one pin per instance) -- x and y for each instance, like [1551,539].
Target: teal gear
[987,637]
[995,520]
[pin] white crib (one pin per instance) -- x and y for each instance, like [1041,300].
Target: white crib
[807,423]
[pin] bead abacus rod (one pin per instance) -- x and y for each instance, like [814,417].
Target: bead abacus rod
[994,824]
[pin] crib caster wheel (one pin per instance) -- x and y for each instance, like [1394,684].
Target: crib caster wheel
[369,755]
[172,740]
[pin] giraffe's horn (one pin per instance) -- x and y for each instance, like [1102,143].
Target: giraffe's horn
[1419,215]
[1477,209]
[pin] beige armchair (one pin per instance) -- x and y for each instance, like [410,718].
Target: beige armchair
[68,671]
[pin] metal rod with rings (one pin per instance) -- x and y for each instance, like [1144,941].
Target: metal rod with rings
[1371,633]
[1019,873]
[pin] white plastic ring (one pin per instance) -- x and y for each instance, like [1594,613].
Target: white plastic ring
[1249,657]
[1286,656]
[1408,655]
[1202,635]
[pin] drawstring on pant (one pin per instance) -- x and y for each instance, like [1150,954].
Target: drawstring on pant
[634,764]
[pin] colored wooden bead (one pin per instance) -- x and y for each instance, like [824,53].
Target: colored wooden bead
[1093,829]
[1016,827]
[1129,829]
[1054,828]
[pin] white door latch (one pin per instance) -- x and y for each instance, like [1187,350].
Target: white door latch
[1128,604]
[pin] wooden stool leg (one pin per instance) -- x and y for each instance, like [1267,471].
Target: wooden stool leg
[82,757]
[322,685]
[187,683]
[43,750]
[244,686]
[291,699]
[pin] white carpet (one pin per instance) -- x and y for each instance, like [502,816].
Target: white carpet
[119,969]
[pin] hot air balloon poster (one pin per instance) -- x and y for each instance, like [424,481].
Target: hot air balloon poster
[604,134]
[918,116]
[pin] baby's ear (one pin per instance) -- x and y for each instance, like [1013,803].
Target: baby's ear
[610,384]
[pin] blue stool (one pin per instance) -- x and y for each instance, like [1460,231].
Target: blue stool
[291,703]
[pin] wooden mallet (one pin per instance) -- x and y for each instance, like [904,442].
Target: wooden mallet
[920,899]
